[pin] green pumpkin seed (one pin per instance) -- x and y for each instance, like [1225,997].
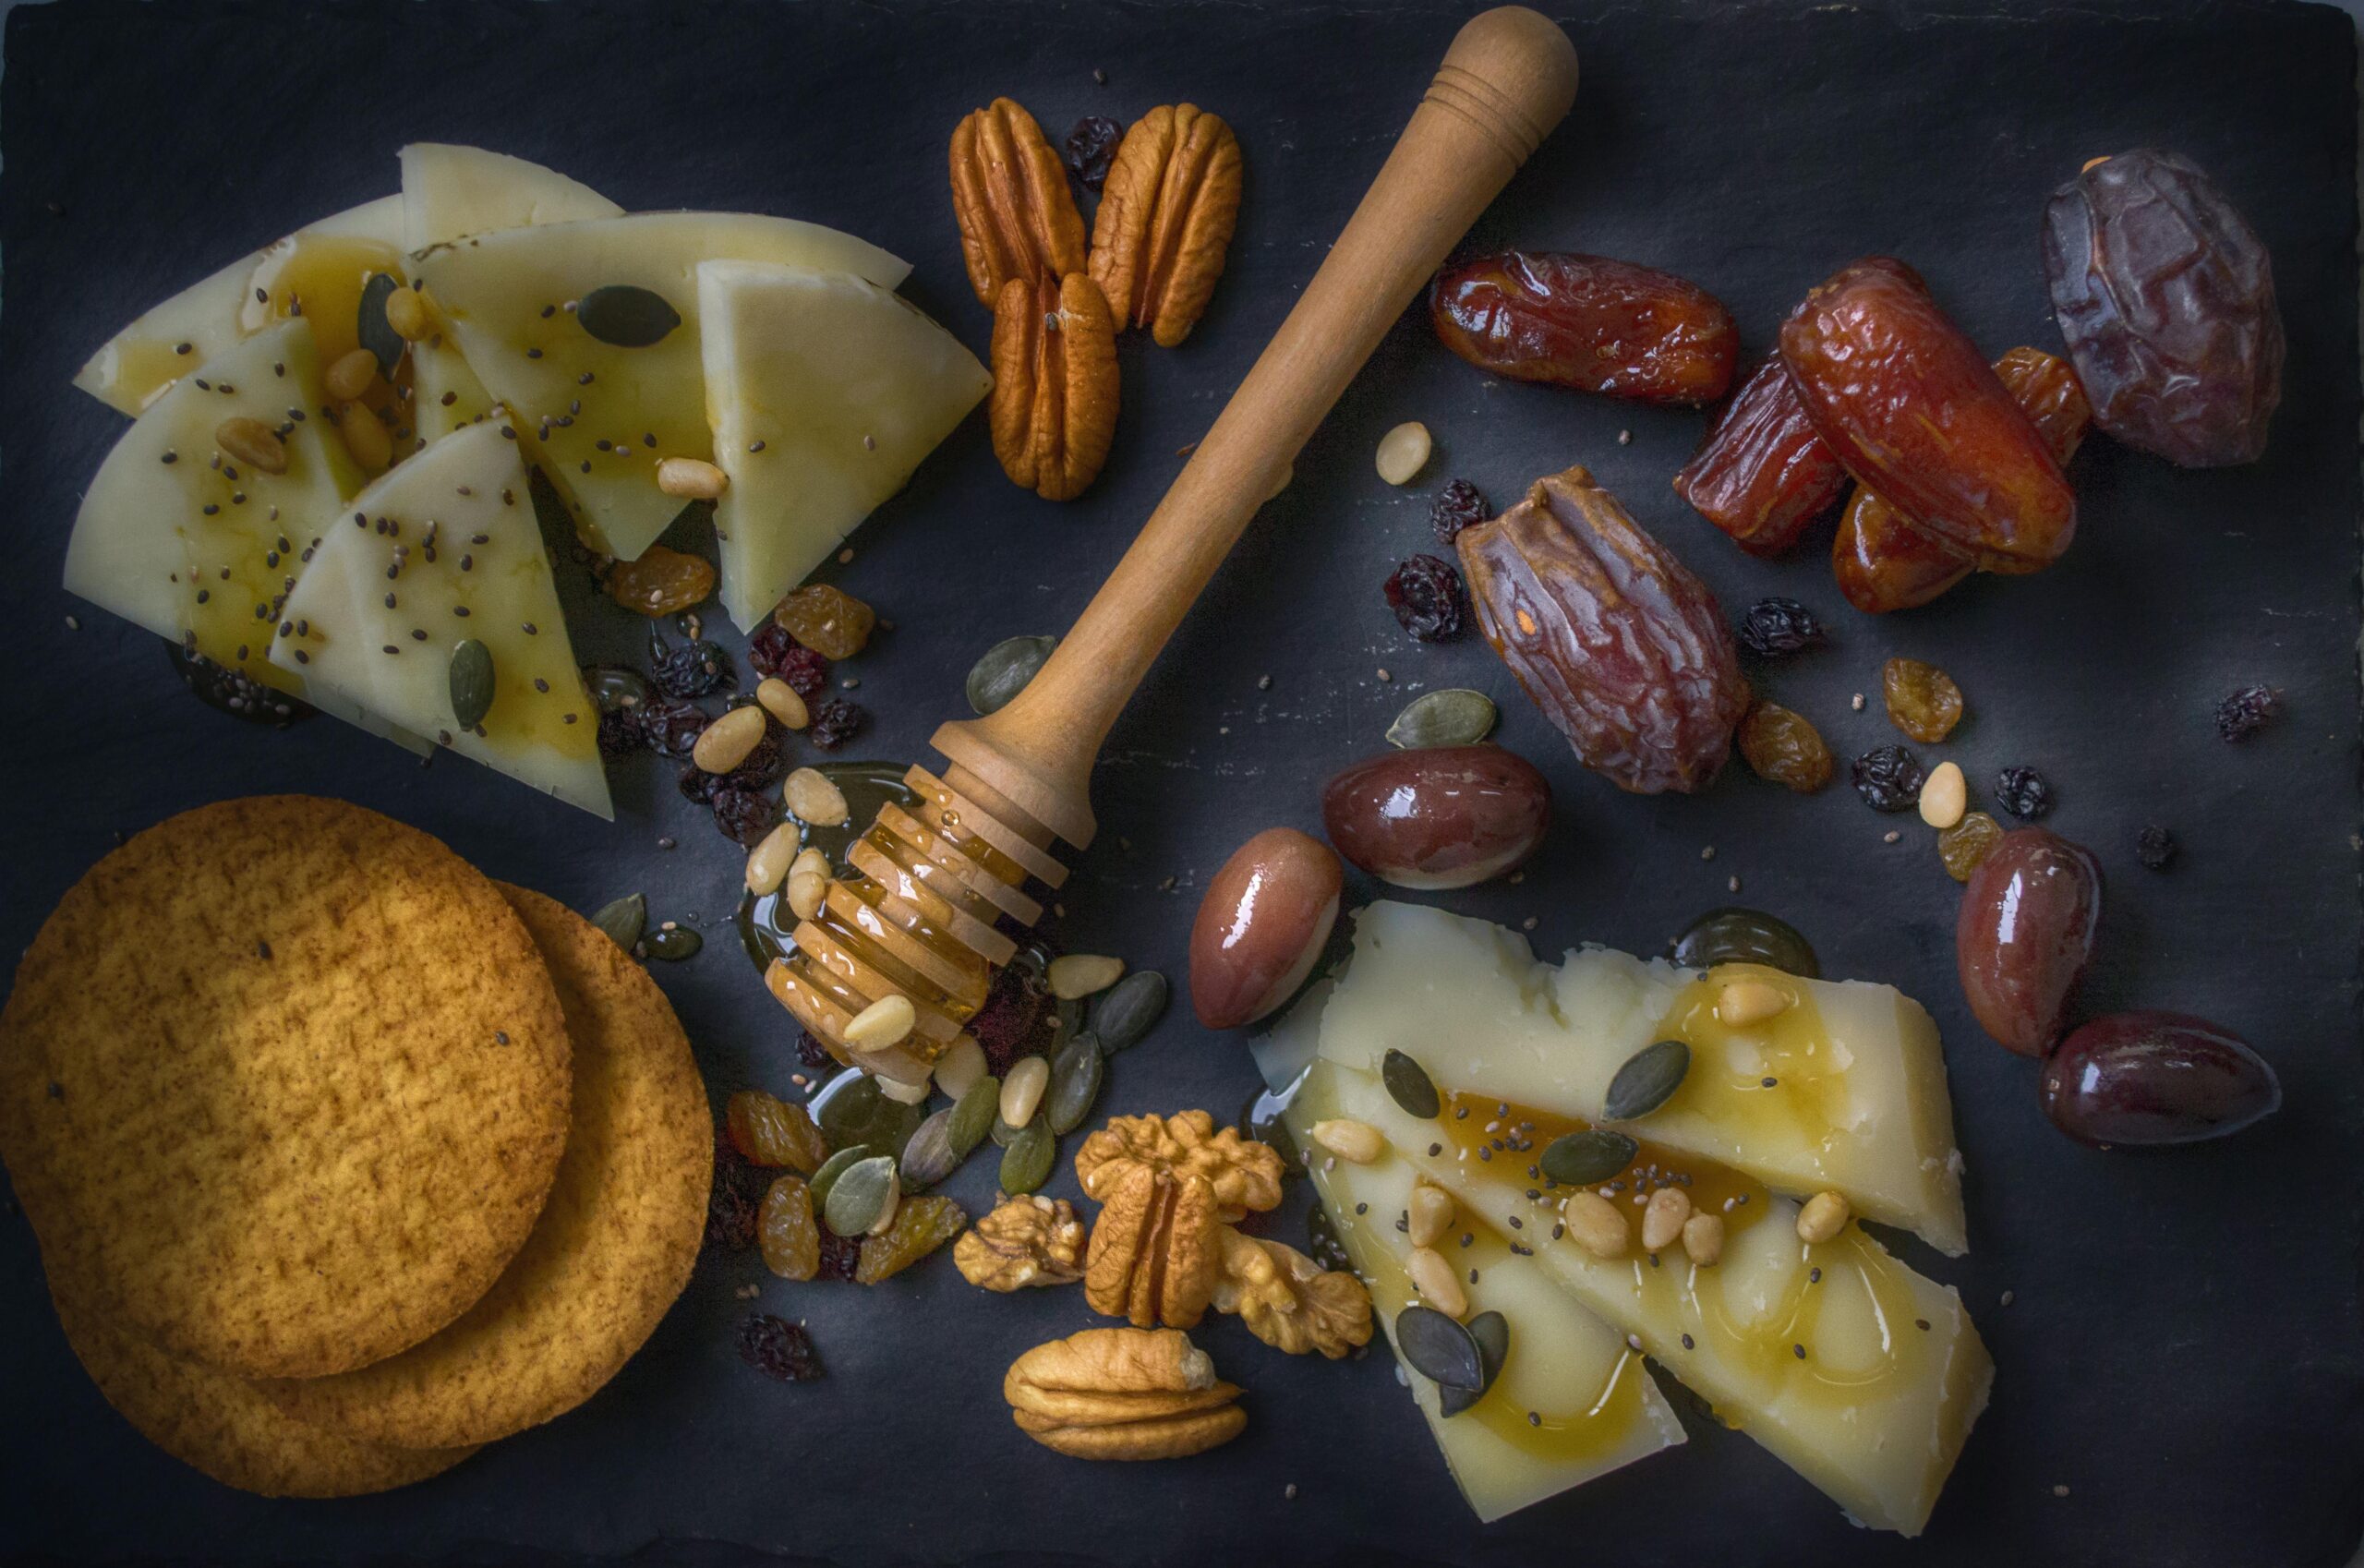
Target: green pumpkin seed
[674,942]
[1076,1073]
[1579,1159]
[612,688]
[1492,1333]
[472,683]
[860,1113]
[1648,1080]
[860,1195]
[624,919]
[1067,1017]
[1410,1085]
[1746,937]
[1004,669]
[374,332]
[1454,717]
[832,1168]
[928,1158]
[627,315]
[973,1117]
[1003,1135]
[1130,1010]
[1438,1348]
[1026,1164]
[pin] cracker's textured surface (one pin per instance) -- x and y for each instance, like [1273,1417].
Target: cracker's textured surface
[222,1425]
[614,1244]
[291,1164]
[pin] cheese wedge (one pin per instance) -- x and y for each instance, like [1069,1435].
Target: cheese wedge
[604,416]
[445,550]
[824,391]
[1845,1089]
[445,394]
[450,192]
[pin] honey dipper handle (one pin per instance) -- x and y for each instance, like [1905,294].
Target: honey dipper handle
[1508,79]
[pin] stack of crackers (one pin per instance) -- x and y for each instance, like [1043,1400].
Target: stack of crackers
[345,1159]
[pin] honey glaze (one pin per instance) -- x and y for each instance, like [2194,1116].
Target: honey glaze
[1782,1077]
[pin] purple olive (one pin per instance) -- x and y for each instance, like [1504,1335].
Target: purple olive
[1438,817]
[2025,934]
[1261,927]
[2152,1077]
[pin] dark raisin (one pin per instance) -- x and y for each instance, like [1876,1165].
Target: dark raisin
[772,650]
[621,733]
[1778,628]
[1090,148]
[1428,598]
[778,1348]
[735,1201]
[671,726]
[1011,1017]
[1889,778]
[841,1255]
[697,785]
[812,1053]
[2247,711]
[693,669]
[1458,506]
[743,815]
[834,723]
[762,764]
[2155,847]
[2023,792]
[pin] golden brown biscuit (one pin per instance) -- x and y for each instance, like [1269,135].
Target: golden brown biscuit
[283,1086]
[614,1245]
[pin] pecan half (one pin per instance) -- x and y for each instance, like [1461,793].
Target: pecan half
[1009,191]
[1155,1250]
[1122,1394]
[1054,409]
[1165,220]
[1289,1300]
[1025,1241]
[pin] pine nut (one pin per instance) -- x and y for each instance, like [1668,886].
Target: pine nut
[894,1177]
[807,890]
[1703,1238]
[779,700]
[887,1021]
[350,375]
[813,799]
[1430,1214]
[1358,1143]
[253,443]
[1083,974]
[1437,1284]
[957,1070]
[1663,1219]
[1944,795]
[1403,451]
[1022,1092]
[1823,1216]
[902,1093]
[690,479]
[767,864]
[406,312]
[809,861]
[365,437]
[727,741]
[1594,1224]
[1744,1002]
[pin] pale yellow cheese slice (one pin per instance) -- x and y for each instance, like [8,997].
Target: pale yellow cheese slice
[450,192]
[445,394]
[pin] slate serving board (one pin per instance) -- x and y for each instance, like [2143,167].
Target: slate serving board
[2181,1351]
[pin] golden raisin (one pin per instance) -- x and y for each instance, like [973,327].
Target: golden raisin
[829,620]
[768,1131]
[662,582]
[1784,747]
[919,1227]
[784,1229]
[1923,700]
[1964,844]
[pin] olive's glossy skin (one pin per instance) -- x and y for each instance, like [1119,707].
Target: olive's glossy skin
[1746,937]
[1444,816]
[2155,1077]
[2025,934]
[1261,927]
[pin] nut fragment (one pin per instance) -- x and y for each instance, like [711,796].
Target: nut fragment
[1403,451]
[690,479]
[349,375]
[253,443]
[1356,1142]
[1009,193]
[810,794]
[1165,220]
[1745,1002]
[1703,1238]
[1025,1241]
[1945,794]
[1022,1092]
[1076,975]
[1427,1214]
[1246,1175]
[781,701]
[1822,1216]
[1122,1394]
[1596,1224]
[1435,1280]
[1663,1218]
[1054,397]
[728,741]
[887,1021]
[1289,1300]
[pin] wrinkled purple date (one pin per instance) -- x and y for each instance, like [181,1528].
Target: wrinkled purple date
[2155,1077]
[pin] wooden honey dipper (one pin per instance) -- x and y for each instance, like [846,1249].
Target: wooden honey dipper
[920,913]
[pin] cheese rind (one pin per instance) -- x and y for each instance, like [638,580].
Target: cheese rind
[450,192]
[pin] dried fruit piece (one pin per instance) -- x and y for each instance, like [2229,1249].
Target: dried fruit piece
[1089,148]
[919,1227]
[1889,778]
[1165,220]
[2155,1077]
[2023,792]
[835,721]
[695,668]
[1054,408]
[1428,598]
[2025,934]
[1922,699]
[1967,842]
[2155,847]
[778,1348]
[786,1232]
[1762,474]
[1785,748]
[1613,638]
[734,1200]
[1458,506]
[774,653]
[2165,297]
[743,815]
[828,620]
[2246,711]
[1776,628]
[1587,323]
[768,1131]
[1440,816]
[662,582]
[1010,194]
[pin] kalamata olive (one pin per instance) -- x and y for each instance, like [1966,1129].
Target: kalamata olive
[1261,926]
[1446,816]
[2151,1077]
[2024,934]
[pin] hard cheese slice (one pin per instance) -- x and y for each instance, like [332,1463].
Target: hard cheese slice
[445,394]
[825,391]
[1846,1089]
[450,192]
[603,414]
[443,550]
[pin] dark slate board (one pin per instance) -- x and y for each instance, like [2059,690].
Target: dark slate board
[2182,1352]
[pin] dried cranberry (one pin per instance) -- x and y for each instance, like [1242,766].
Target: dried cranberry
[1010,1018]
[1090,148]
[621,733]
[735,1201]
[772,650]
[2247,711]
[692,669]
[1458,506]
[834,723]
[743,815]
[671,726]
[1777,627]
[841,1255]
[812,1053]
[2023,792]
[1889,778]
[1428,598]
[778,1348]
[2155,847]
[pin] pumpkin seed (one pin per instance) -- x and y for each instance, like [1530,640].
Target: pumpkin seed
[624,919]
[613,688]
[472,683]
[627,315]
[832,1168]
[1131,1010]
[974,1115]
[1579,1159]
[1026,1164]
[1492,1333]
[1410,1085]
[860,1113]
[930,1157]
[374,332]
[1457,717]
[1440,1349]
[860,1195]
[1004,669]
[1076,1073]
[1003,1135]
[1065,1020]
[1648,1080]
[674,942]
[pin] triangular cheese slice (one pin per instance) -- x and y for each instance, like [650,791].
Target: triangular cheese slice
[444,394]
[441,551]
[825,391]
[450,192]
[603,415]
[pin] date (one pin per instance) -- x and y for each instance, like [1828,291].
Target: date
[2165,296]
[1622,648]
[1587,323]
[1762,475]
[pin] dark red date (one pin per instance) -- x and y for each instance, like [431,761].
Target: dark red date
[2154,1077]
[1762,475]
[1587,323]
[2025,934]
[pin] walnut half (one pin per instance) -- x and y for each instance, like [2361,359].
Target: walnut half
[1122,1394]
[1025,1241]
[1245,1175]
[1289,1301]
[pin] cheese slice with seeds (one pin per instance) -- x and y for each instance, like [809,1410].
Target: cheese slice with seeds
[447,550]
[825,391]
[602,416]
[445,394]
[450,192]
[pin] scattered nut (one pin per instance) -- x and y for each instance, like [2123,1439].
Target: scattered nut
[1009,194]
[1744,1002]
[348,377]
[252,443]
[690,479]
[808,884]
[1403,453]
[1944,795]
[1594,1224]
[1078,975]
[1025,1241]
[365,436]
[1703,1238]
[1245,1175]
[728,741]
[887,1021]
[780,700]
[1165,220]
[957,1070]
[902,1093]
[1122,1394]
[1663,1218]
[1289,1301]
[1053,411]
[1428,1214]
[767,864]
[1436,1282]
[1356,1142]
[1022,1092]
[810,794]
[1156,1250]
[1823,1216]
[407,314]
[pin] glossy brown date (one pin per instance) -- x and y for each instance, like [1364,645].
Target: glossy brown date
[2165,296]
[1587,323]
[1441,816]
[1917,414]
[1261,927]
[1622,648]
[2025,934]
[1762,475]
[2154,1077]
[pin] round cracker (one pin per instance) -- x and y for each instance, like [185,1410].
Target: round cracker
[615,1243]
[283,1085]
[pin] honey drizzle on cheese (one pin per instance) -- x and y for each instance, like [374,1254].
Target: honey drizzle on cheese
[1783,1074]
